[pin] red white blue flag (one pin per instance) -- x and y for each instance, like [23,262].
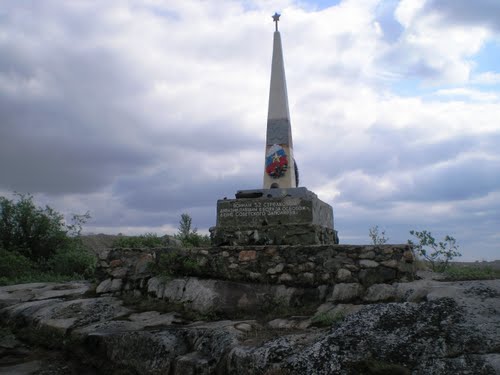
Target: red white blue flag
[276,161]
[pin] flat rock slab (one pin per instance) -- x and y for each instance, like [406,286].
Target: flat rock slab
[427,327]
[13,294]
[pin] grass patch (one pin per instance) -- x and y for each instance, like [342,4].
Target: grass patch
[176,262]
[72,263]
[470,272]
[149,240]
[39,277]
[327,318]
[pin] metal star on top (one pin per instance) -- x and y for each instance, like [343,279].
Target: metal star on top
[276,18]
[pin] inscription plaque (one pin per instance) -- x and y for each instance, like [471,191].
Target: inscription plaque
[255,211]
[274,216]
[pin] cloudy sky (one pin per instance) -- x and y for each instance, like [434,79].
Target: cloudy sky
[138,111]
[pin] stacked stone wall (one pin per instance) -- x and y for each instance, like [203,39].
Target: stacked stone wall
[347,270]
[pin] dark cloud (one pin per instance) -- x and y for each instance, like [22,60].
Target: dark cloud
[60,128]
[178,188]
[462,180]
[453,181]
[465,12]
[381,150]
[141,113]
[86,127]
[44,148]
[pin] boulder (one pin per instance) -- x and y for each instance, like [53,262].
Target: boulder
[431,327]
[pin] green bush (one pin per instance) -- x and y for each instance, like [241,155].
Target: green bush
[150,240]
[189,237]
[29,230]
[376,237]
[35,232]
[14,264]
[75,260]
[37,245]
[176,262]
[437,254]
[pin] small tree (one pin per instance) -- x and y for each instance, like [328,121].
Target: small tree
[36,243]
[77,222]
[190,237]
[32,231]
[185,227]
[378,238]
[437,254]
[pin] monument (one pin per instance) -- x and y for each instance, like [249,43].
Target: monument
[281,213]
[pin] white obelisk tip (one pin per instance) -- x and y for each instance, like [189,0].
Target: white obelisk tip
[279,163]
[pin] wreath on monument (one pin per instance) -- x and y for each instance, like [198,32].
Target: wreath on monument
[276,161]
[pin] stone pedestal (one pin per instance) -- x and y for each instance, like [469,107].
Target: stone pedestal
[274,217]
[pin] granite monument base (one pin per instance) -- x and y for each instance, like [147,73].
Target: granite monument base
[292,216]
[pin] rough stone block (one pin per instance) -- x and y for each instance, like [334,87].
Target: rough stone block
[104,286]
[346,292]
[370,276]
[285,277]
[367,263]
[155,287]
[274,206]
[274,216]
[380,293]
[343,275]
[245,256]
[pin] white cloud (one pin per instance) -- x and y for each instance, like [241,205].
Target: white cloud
[431,50]
[475,95]
[408,10]
[141,111]
[487,78]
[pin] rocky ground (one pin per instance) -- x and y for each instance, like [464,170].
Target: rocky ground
[423,327]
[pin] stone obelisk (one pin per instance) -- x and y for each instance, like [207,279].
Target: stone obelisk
[280,213]
[279,170]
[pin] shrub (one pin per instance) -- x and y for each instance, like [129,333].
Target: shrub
[377,238]
[29,230]
[437,254]
[176,262]
[75,260]
[35,232]
[190,237]
[14,264]
[37,245]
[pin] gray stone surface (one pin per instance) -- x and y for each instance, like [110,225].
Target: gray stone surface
[343,275]
[346,292]
[293,216]
[275,206]
[40,291]
[298,266]
[448,328]
[278,132]
[380,293]
[284,234]
[219,296]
